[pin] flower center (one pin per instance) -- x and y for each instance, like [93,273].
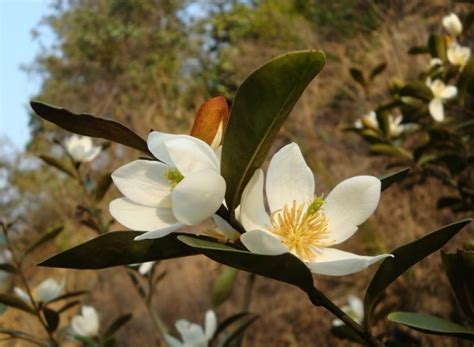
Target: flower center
[301,229]
[174,177]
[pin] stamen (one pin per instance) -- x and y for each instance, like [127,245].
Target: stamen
[174,177]
[301,229]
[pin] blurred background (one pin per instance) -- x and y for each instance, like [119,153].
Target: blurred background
[149,64]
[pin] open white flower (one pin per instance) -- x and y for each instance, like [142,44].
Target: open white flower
[354,309]
[452,24]
[49,289]
[458,55]
[193,334]
[86,324]
[184,189]
[81,148]
[441,93]
[370,121]
[303,224]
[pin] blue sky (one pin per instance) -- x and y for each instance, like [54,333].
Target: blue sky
[17,47]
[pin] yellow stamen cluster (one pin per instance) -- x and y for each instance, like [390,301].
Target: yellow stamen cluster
[174,177]
[301,229]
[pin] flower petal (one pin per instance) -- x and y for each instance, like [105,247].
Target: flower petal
[173,341]
[449,92]
[191,333]
[252,208]
[139,217]
[229,232]
[289,178]
[334,262]
[191,155]
[210,324]
[349,204]
[156,234]
[357,306]
[92,153]
[263,242]
[144,182]
[156,141]
[436,109]
[197,197]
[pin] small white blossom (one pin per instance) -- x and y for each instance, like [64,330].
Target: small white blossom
[49,289]
[452,24]
[370,121]
[145,268]
[81,148]
[5,257]
[193,334]
[435,62]
[441,93]
[354,309]
[302,224]
[86,324]
[21,294]
[458,55]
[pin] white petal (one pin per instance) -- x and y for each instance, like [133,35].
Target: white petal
[172,341]
[349,204]
[263,242]
[49,289]
[191,333]
[228,231]
[210,324]
[145,268]
[289,178]
[334,262]
[252,209]
[197,197]
[191,155]
[22,294]
[449,92]
[357,306]
[144,182]
[436,109]
[140,217]
[156,234]
[92,153]
[156,144]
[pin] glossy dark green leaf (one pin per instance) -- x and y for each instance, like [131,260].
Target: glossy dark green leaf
[51,317]
[48,236]
[260,107]
[57,164]
[437,46]
[224,285]
[117,324]
[394,177]
[358,76]
[459,268]
[21,335]
[8,268]
[431,324]
[418,90]
[103,184]
[237,334]
[285,267]
[418,50]
[88,125]
[378,70]
[404,258]
[16,302]
[119,248]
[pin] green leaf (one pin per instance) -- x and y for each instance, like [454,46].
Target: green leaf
[23,336]
[88,125]
[391,150]
[404,258]
[378,70]
[117,324]
[260,107]
[16,302]
[418,50]
[103,185]
[437,47]
[68,296]
[459,268]
[52,318]
[431,324]
[56,164]
[119,248]
[394,177]
[8,268]
[228,322]
[344,332]
[417,89]
[384,124]
[465,82]
[224,285]
[48,236]
[68,306]
[285,267]
[233,336]
[358,76]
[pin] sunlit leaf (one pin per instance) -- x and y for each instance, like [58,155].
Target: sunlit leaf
[57,164]
[88,125]
[431,324]
[404,258]
[260,107]
[119,248]
[224,285]
[16,302]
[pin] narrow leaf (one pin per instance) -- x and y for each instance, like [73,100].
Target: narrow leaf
[88,125]
[378,70]
[261,106]
[68,306]
[103,184]
[23,336]
[431,324]
[417,89]
[56,164]
[117,324]
[228,322]
[48,236]
[404,258]
[119,248]
[16,302]
[229,339]
[391,150]
[418,50]
[391,178]
[8,268]
[358,76]
[52,318]
[68,296]
[437,47]
[224,285]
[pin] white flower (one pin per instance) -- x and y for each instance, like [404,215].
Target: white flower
[81,148]
[370,121]
[458,55]
[441,93]
[5,257]
[452,24]
[184,189]
[395,125]
[303,224]
[49,289]
[435,62]
[87,323]
[21,294]
[192,334]
[145,268]
[355,310]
